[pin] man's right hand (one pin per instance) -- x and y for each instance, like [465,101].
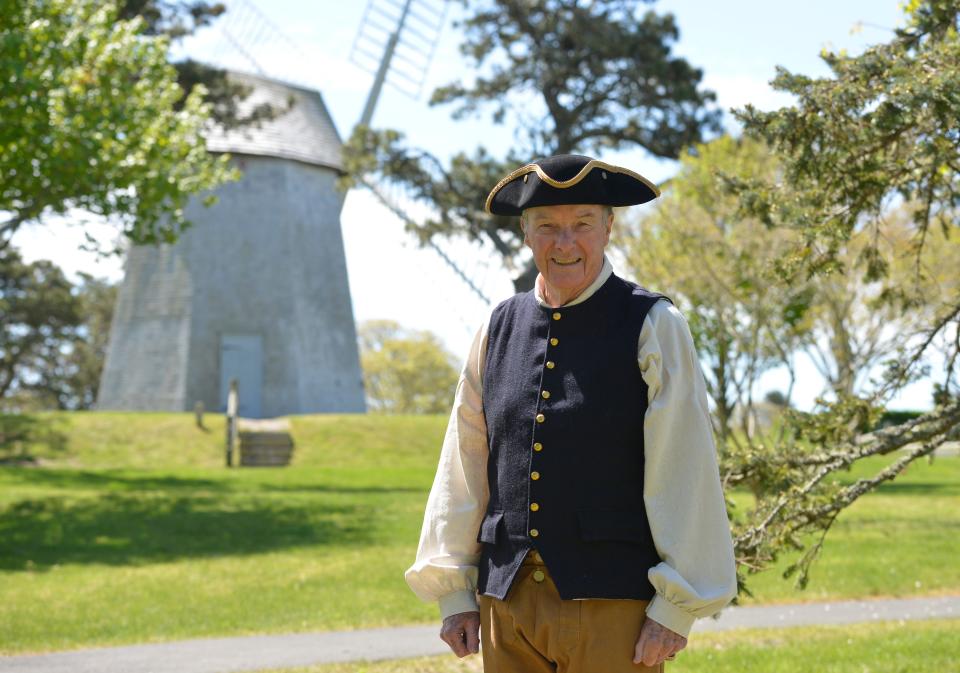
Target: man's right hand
[462,633]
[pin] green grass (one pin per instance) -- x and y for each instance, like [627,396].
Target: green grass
[901,539]
[883,647]
[151,440]
[132,531]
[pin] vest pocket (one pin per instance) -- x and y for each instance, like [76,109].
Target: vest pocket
[488,527]
[612,524]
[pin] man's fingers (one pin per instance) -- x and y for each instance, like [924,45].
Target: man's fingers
[473,637]
[652,653]
[646,651]
[455,640]
[461,633]
[638,649]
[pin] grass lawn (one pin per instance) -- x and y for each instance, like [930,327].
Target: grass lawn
[883,647]
[132,531]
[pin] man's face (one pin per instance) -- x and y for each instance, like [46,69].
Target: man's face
[567,243]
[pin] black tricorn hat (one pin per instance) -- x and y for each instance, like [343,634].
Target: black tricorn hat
[568,179]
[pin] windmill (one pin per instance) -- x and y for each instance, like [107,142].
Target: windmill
[257,289]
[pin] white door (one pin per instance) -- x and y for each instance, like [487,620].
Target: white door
[241,357]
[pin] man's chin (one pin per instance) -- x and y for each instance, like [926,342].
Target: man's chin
[566,279]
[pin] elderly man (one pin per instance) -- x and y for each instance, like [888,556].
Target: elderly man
[576,523]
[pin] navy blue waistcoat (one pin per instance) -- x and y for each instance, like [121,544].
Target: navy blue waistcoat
[564,403]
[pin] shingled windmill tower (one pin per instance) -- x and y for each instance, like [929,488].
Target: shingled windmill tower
[255,290]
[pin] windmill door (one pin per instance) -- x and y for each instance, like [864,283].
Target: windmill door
[241,357]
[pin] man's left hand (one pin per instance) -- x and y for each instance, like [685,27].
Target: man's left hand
[656,643]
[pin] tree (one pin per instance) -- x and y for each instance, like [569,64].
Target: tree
[881,128]
[574,77]
[40,315]
[405,371]
[70,378]
[718,268]
[91,122]
[98,298]
[855,326]
[176,19]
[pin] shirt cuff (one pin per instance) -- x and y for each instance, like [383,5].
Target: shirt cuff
[673,617]
[458,601]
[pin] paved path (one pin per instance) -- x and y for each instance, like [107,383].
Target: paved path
[227,655]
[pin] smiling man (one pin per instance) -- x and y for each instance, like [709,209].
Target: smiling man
[576,522]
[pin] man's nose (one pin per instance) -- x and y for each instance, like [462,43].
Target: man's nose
[565,238]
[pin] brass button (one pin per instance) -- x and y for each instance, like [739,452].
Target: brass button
[537,446]
[538,575]
[545,394]
[554,341]
[550,364]
[556,315]
[534,506]
[534,475]
[534,532]
[541,418]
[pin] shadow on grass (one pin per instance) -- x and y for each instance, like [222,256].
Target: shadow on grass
[941,488]
[133,528]
[21,434]
[123,480]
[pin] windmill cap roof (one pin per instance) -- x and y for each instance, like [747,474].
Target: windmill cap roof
[302,129]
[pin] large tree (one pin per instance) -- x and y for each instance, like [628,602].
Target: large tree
[69,377]
[40,318]
[881,129]
[177,19]
[691,245]
[571,77]
[93,119]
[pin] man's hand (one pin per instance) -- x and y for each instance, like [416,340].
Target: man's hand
[656,643]
[462,633]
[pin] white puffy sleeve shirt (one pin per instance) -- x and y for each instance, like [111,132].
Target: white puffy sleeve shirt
[682,491]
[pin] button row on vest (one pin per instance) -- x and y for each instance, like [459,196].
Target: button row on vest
[537,446]
[545,394]
[534,532]
[541,418]
[554,341]
[550,364]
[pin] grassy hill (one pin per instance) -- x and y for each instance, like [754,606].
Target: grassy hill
[152,440]
[132,530]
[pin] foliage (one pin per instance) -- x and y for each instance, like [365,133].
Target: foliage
[40,316]
[76,387]
[54,335]
[90,122]
[405,371]
[718,269]
[574,77]
[880,130]
[177,19]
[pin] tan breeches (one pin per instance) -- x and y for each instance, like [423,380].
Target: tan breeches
[535,631]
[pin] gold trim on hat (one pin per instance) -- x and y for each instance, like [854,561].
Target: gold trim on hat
[564,184]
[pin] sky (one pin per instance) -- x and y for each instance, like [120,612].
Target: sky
[737,44]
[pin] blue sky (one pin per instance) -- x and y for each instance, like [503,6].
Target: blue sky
[737,43]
